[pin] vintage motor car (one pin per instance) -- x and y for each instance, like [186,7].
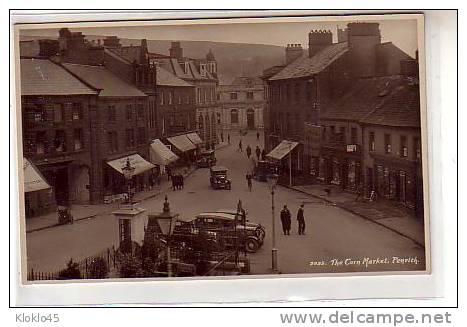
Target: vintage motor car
[242,219]
[232,234]
[206,159]
[219,178]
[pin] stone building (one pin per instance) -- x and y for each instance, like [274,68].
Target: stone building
[202,73]
[241,104]
[301,92]
[56,110]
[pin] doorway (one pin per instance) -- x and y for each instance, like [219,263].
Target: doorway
[61,186]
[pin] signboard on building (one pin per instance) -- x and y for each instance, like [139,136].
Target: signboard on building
[351,147]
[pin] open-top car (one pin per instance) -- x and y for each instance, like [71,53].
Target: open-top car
[232,233]
[206,159]
[219,178]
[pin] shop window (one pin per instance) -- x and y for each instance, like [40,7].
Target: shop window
[403,147]
[234,116]
[40,142]
[387,143]
[371,140]
[111,113]
[58,112]
[77,111]
[78,139]
[60,141]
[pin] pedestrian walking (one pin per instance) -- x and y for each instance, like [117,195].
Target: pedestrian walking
[258,152]
[240,146]
[222,137]
[263,154]
[257,136]
[248,151]
[301,220]
[228,138]
[286,220]
[249,181]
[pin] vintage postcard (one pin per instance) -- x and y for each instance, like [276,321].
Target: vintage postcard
[212,148]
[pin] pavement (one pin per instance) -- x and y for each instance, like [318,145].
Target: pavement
[88,211]
[382,212]
[333,234]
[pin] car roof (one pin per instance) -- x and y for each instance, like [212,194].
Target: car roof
[228,211]
[220,215]
[219,168]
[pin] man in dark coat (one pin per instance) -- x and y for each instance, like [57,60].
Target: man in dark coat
[249,182]
[258,152]
[286,220]
[301,220]
[263,154]
[248,151]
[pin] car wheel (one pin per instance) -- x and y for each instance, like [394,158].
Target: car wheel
[251,245]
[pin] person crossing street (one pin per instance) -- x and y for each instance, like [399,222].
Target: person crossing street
[258,152]
[301,220]
[249,182]
[286,220]
[248,151]
[240,146]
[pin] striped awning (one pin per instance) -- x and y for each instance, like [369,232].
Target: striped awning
[182,143]
[136,161]
[283,149]
[160,154]
[33,179]
[194,138]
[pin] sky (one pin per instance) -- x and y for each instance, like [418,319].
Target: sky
[402,33]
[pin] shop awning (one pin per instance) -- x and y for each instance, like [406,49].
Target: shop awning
[282,150]
[136,161]
[160,154]
[33,179]
[182,143]
[194,138]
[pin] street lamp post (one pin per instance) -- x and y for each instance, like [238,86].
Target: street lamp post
[128,171]
[166,223]
[272,182]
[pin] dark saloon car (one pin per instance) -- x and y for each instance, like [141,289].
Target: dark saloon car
[219,178]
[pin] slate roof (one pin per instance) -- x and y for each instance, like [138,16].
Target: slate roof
[43,77]
[29,48]
[165,78]
[363,97]
[129,53]
[173,66]
[101,78]
[305,66]
[400,109]
[390,101]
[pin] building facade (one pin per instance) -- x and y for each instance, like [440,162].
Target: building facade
[241,104]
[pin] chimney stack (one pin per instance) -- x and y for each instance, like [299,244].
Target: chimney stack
[292,52]
[176,51]
[112,42]
[318,40]
[363,39]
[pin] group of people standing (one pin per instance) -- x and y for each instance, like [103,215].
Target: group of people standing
[286,219]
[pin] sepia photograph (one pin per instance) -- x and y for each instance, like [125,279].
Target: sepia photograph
[219,149]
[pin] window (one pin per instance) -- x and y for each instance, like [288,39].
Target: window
[371,144]
[111,113]
[199,95]
[387,143]
[218,97]
[233,96]
[58,112]
[141,136]
[249,95]
[353,135]
[234,116]
[333,130]
[141,111]
[287,93]
[78,139]
[112,141]
[40,142]
[130,138]
[77,110]
[403,146]
[342,133]
[129,112]
[179,98]
[60,141]
[297,92]
[416,147]
[161,98]
[171,97]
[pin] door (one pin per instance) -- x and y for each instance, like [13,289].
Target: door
[250,118]
[61,186]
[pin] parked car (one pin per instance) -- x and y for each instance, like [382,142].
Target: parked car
[232,234]
[219,178]
[206,159]
[243,220]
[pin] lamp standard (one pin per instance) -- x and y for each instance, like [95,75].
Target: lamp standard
[166,223]
[128,171]
[272,182]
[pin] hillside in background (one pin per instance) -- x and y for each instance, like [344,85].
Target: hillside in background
[234,59]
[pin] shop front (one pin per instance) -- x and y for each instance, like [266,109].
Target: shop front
[340,167]
[115,185]
[36,189]
[184,148]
